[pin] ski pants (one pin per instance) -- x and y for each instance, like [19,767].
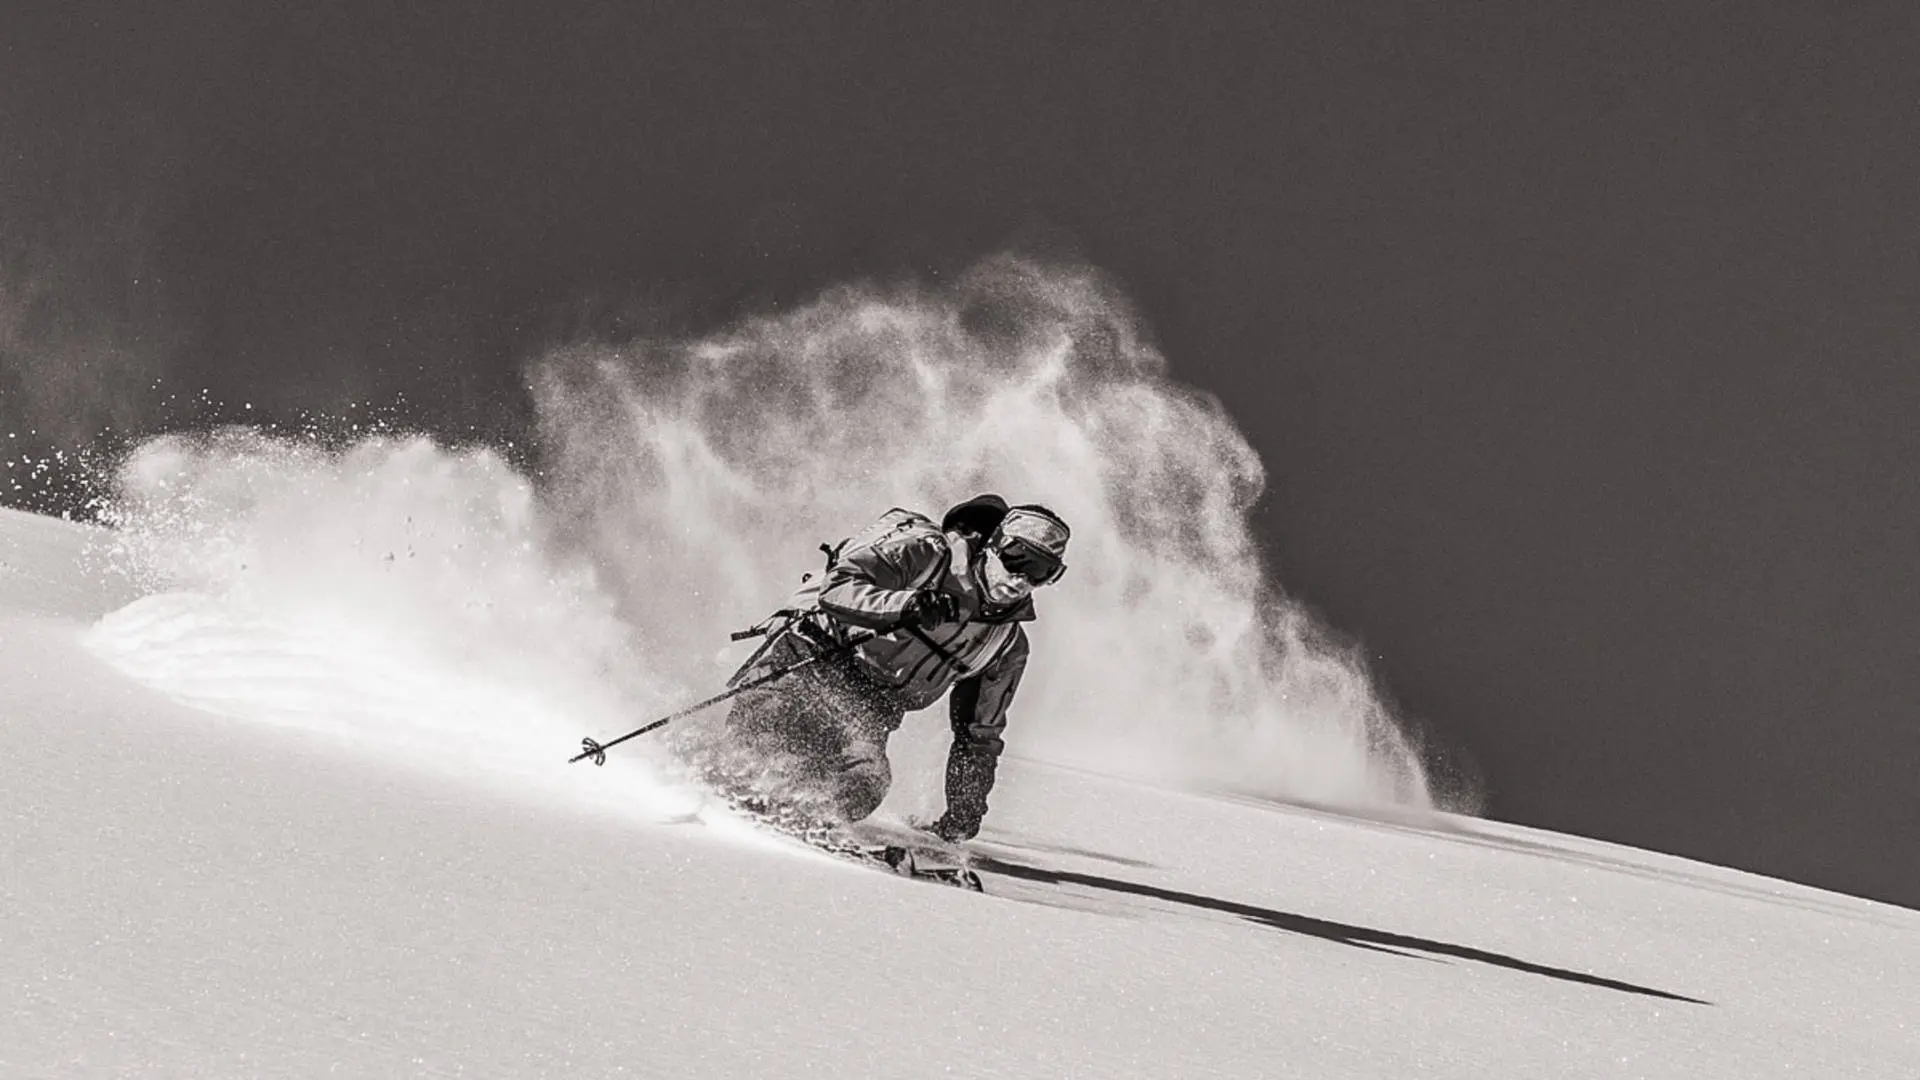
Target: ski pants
[821,734]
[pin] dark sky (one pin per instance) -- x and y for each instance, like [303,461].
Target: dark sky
[1582,342]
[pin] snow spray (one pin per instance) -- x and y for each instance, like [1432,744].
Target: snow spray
[682,488]
[386,592]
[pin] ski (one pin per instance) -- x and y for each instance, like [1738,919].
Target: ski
[914,852]
[899,849]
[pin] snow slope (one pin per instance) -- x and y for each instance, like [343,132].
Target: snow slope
[228,852]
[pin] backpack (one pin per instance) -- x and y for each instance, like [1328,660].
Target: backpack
[801,612]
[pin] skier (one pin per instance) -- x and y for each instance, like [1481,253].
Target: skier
[946,602]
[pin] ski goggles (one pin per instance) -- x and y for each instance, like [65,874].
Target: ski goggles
[1031,545]
[1031,562]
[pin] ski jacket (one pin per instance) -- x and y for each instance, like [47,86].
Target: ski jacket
[870,581]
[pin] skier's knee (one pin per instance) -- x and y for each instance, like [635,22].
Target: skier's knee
[859,799]
[862,784]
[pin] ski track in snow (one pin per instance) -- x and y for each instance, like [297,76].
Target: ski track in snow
[233,850]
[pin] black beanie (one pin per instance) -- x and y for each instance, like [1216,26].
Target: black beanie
[981,514]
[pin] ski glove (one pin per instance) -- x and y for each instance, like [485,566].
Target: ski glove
[930,607]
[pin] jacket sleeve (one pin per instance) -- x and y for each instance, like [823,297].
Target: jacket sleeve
[978,705]
[872,587]
[979,714]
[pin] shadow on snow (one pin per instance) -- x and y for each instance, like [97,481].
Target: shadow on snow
[1359,937]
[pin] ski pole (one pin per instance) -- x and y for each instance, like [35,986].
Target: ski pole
[932,645]
[591,748]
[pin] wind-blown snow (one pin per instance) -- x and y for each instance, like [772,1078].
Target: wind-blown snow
[266,891]
[681,493]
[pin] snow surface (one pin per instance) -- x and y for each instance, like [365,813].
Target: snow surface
[231,851]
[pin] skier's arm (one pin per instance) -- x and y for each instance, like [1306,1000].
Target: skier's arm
[978,706]
[873,587]
[978,709]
